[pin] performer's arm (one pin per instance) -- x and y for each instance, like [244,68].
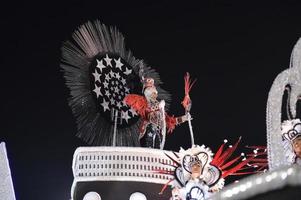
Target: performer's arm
[172,121]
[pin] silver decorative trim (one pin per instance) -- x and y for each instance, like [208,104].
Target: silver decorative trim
[291,76]
[261,183]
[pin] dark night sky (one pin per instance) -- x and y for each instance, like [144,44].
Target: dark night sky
[235,51]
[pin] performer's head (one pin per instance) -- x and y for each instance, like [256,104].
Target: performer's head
[193,165]
[297,146]
[196,169]
[291,132]
[149,89]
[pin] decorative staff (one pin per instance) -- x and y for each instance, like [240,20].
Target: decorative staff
[187,103]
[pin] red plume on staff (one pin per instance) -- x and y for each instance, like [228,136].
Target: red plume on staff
[187,103]
[188,85]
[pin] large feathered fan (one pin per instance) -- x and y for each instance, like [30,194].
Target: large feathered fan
[99,72]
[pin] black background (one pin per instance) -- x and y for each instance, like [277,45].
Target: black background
[234,49]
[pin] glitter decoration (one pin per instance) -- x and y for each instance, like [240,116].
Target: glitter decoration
[291,77]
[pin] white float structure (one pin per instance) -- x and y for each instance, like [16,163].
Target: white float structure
[132,164]
[6,183]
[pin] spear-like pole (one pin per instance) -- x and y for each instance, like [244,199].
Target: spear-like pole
[187,103]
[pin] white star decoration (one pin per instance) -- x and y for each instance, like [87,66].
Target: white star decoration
[107,77]
[124,104]
[105,105]
[112,102]
[125,115]
[119,104]
[107,93]
[100,65]
[111,86]
[117,75]
[127,90]
[133,112]
[112,74]
[112,83]
[118,63]
[116,90]
[127,71]
[108,60]
[96,76]
[97,91]
[105,84]
[123,81]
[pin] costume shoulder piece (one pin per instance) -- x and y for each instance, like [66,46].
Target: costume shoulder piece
[100,72]
[137,102]
[289,82]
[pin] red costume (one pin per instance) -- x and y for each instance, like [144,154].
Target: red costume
[154,118]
